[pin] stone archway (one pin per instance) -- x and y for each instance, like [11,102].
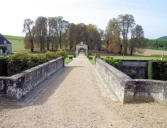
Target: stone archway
[81,47]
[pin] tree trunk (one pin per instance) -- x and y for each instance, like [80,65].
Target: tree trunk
[131,51]
[32,45]
[48,44]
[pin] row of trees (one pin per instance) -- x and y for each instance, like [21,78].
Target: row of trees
[54,32]
[156,44]
[121,36]
[118,32]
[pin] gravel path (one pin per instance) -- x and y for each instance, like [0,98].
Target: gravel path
[71,99]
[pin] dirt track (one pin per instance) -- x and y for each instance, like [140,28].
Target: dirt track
[71,99]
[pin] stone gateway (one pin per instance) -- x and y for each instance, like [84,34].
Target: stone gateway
[81,47]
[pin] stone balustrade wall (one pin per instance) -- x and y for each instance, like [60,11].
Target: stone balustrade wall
[20,84]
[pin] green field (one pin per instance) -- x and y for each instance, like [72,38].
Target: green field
[9,37]
[17,46]
[127,58]
[17,43]
[134,58]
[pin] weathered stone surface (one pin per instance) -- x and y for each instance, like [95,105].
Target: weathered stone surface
[114,78]
[146,90]
[131,90]
[20,84]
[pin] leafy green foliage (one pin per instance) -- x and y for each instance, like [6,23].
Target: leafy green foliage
[159,70]
[19,62]
[156,44]
[70,57]
[62,53]
[3,66]
[90,57]
[114,62]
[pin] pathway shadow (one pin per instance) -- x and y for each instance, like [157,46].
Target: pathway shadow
[41,93]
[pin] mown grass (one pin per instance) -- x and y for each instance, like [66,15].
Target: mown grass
[134,58]
[17,43]
[9,37]
[127,58]
[18,46]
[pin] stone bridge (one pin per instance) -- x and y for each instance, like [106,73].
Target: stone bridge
[71,98]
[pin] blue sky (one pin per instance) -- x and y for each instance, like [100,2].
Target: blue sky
[151,14]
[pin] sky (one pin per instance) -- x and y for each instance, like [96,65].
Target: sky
[150,14]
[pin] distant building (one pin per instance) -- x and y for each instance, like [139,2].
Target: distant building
[5,46]
[81,47]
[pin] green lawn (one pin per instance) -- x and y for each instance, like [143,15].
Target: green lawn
[127,58]
[9,37]
[134,58]
[18,46]
[17,43]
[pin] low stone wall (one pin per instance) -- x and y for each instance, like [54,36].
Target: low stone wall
[114,78]
[20,84]
[131,90]
[146,90]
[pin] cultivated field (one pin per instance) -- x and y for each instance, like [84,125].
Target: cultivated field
[149,52]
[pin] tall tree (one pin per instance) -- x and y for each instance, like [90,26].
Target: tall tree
[28,29]
[113,36]
[126,23]
[60,27]
[41,31]
[137,39]
[71,35]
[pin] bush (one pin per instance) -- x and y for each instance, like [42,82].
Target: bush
[70,57]
[90,57]
[159,70]
[62,53]
[114,62]
[3,66]
[19,62]
[51,55]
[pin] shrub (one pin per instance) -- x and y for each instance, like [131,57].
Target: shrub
[17,63]
[62,53]
[70,57]
[114,62]
[50,55]
[3,66]
[159,70]
[90,57]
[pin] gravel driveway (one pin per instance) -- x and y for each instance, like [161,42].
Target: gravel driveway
[71,99]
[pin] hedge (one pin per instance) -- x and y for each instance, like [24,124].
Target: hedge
[159,70]
[3,66]
[114,62]
[19,62]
